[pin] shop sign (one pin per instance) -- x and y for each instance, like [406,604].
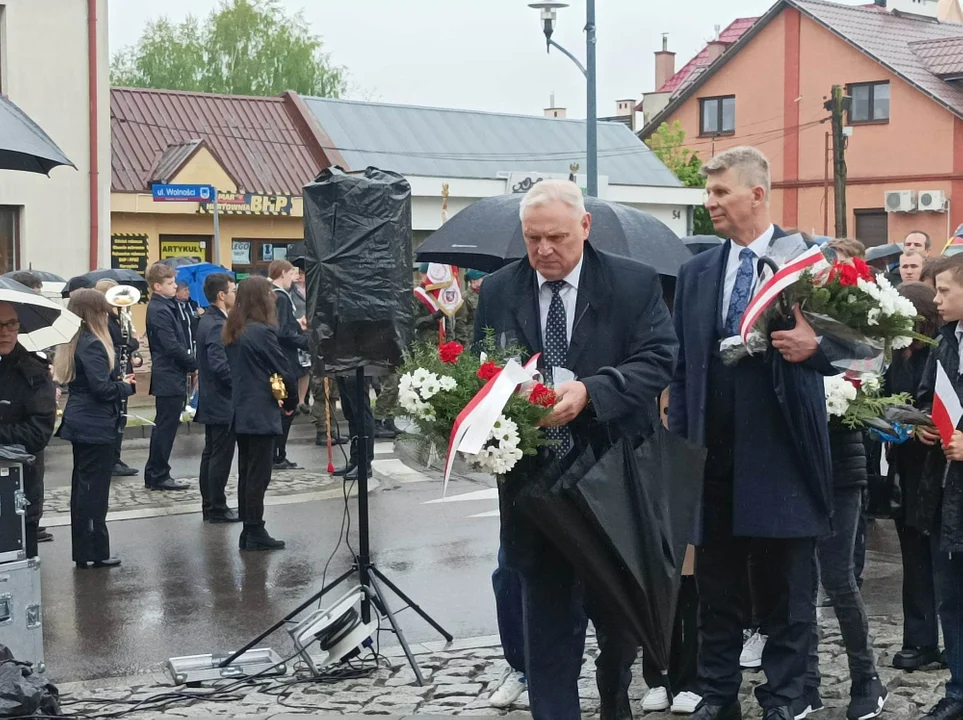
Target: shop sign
[249,204]
[241,253]
[195,249]
[128,251]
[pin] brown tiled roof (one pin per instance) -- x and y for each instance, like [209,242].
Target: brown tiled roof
[262,143]
[943,57]
[173,159]
[886,37]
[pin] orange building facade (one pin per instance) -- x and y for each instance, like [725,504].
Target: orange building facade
[774,82]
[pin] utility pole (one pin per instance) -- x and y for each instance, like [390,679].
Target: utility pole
[838,104]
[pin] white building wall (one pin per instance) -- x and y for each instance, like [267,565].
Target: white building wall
[43,61]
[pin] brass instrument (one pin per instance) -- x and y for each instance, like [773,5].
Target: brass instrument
[278,389]
[123,297]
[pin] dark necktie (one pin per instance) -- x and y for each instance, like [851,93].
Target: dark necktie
[556,355]
[741,291]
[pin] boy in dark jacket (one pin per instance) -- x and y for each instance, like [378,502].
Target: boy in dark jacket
[171,362]
[292,336]
[941,486]
[28,411]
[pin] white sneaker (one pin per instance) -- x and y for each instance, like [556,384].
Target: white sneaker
[510,688]
[655,700]
[751,657]
[685,703]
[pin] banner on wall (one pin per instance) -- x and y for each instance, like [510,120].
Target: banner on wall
[249,204]
[129,251]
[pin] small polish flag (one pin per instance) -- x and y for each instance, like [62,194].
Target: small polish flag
[947,409]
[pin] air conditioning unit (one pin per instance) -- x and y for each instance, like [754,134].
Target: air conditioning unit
[901,201]
[932,201]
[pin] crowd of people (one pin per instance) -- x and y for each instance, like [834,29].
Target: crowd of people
[777,521]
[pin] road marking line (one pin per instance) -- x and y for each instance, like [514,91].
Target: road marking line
[487,494]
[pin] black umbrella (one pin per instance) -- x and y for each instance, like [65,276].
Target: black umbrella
[24,145]
[42,275]
[119,276]
[43,323]
[881,252]
[701,243]
[488,234]
[177,262]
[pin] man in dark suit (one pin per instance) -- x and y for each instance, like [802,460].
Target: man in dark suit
[583,310]
[767,491]
[292,336]
[214,399]
[171,362]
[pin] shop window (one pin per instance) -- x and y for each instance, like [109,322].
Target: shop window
[253,256]
[9,238]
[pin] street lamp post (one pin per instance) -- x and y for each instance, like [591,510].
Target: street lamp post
[548,14]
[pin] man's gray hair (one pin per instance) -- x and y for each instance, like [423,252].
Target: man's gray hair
[752,165]
[547,191]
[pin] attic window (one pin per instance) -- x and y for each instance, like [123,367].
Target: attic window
[870,103]
[717,115]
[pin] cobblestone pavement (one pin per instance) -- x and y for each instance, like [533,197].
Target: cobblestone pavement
[459,682]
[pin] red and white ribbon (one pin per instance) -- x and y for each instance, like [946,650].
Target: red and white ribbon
[812,260]
[427,299]
[475,422]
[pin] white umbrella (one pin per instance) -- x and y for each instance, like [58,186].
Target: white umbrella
[43,323]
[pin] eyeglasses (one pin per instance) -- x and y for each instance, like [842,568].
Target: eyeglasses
[11,325]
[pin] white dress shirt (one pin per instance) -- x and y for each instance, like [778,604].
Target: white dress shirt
[759,247]
[959,341]
[569,295]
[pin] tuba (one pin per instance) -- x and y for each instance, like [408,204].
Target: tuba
[123,297]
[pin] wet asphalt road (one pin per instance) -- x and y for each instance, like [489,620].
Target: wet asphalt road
[184,588]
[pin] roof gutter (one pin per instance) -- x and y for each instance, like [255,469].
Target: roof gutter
[94,173]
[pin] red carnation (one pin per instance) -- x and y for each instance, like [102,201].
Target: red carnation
[488,371]
[864,270]
[449,352]
[542,395]
[845,273]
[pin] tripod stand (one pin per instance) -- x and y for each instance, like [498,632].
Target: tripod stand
[369,576]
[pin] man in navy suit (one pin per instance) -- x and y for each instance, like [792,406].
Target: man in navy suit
[584,310]
[768,473]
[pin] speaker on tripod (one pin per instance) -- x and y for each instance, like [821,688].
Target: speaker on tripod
[357,232]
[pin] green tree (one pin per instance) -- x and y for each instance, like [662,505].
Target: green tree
[668,143]
[245,47]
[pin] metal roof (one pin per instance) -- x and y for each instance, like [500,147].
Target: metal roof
[172,159]
[886,37]
[438,142]
[261,142]
[943,57]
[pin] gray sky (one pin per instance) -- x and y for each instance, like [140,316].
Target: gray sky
[483,54]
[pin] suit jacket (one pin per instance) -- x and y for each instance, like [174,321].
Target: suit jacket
[170,356]
[775,492]
[290,335]
[620,321]
[96,396]
[253,359]
[213,371]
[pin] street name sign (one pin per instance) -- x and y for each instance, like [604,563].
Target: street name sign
[182,193]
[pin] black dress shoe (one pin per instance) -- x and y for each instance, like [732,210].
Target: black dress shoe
[350,467]
[913,658]
[44,536]
[227,516]
[352,474]
[123,470]
[108,563]
[783,712]
[171,485]
[707,711]
[616,710]
[945,709]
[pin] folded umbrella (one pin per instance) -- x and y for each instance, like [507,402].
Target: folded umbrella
[488,234]
[43,323]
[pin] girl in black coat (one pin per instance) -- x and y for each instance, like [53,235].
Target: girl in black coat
[254,354]
[91,422]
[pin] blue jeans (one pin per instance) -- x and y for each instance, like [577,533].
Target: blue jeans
[508,608]
[949,589]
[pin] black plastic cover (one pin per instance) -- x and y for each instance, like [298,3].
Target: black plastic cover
[357,235]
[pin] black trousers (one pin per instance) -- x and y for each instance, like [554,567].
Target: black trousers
[89,493]
[920,620]
[166,420]
[786,567]
[216,462]
[684,653]
[281,441]
[120,439]
[357,417]
[255,460]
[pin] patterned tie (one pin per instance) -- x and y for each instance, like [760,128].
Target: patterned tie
[556,355]
[741,291]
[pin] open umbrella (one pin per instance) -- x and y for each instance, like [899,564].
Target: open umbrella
[43,323]
[24,145]
[194,276]
[488,234]
[119,276]
[42,275]
[701,243]
[178,262]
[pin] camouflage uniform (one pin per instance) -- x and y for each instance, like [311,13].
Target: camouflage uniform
[317,392]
